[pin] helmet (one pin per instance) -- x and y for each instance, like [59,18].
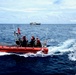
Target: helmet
[24,37]
[32,38]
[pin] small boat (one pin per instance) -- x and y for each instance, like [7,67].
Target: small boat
[15,49]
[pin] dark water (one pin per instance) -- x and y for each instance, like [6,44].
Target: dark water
[60,60]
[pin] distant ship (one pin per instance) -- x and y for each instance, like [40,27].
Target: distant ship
[35,23]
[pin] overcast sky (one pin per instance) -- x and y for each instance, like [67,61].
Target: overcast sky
[43,11]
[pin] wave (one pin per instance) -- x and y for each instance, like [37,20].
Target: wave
[72,55]
[73,30]
[4,53]
[64,47]
[67,46]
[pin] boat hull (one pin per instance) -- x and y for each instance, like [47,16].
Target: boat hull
[15,49]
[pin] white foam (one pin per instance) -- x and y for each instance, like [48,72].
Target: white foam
[64,47]
[38,54]
[72,55]
[4,53]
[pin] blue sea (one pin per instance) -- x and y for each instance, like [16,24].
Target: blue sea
[61,44]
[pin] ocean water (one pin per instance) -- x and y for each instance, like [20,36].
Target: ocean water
[61,43]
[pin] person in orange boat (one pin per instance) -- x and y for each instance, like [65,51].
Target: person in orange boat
[24,42]
[17,37]
[32,42]
[37,43]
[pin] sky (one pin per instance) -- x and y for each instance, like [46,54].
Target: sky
[42,11]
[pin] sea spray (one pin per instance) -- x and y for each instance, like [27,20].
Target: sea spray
[72,55]
[64,47]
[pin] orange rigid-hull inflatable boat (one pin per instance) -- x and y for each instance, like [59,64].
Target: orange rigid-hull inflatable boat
[14,49]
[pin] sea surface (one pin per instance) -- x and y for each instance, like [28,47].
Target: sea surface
[61,43]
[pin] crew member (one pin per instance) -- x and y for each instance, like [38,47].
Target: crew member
[32,42]
[18,37]
[24,41]
[37,43]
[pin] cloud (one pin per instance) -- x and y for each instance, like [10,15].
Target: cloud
[49,11]
[74,20]
[57,1]
[68,4]
[22,10]
[42,2]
